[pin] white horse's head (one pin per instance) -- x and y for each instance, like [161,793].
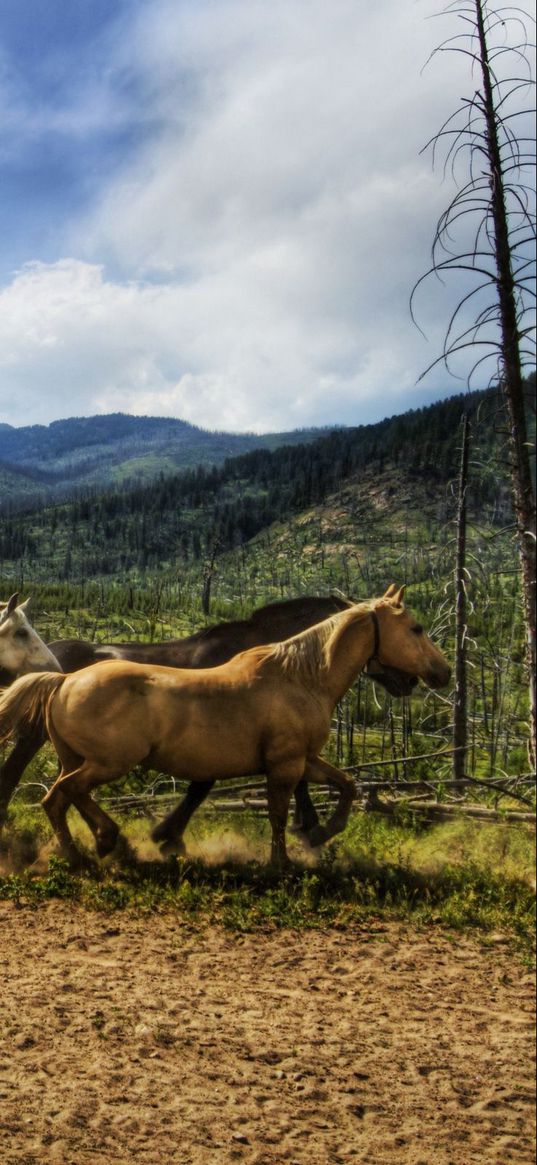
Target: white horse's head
[21,648]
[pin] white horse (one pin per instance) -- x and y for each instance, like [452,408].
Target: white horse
[21,649]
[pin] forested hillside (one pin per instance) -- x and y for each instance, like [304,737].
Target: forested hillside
[125,532]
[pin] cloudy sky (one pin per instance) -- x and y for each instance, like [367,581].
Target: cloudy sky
[217,209]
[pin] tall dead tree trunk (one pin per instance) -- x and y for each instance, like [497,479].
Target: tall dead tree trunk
[460,706]
[511,371]
[488,133]
[209,571]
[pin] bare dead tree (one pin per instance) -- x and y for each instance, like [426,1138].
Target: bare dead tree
[209,571]
[489,135]
[460,707]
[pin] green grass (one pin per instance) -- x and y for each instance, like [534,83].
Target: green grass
[463,876]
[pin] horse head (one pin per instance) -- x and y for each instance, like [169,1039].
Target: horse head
[402,646]
[21,648]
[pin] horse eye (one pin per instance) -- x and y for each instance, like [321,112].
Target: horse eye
[22,633]
[418,629]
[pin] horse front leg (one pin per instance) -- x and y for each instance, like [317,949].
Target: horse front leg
[170,831]
[322,772]
[13,768]
[281,784]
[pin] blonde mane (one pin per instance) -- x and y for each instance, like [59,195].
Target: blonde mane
[309,654]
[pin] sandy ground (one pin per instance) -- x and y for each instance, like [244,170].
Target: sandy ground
[143,1040]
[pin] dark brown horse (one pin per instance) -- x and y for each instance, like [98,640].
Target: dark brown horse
[212,645]
[206,648]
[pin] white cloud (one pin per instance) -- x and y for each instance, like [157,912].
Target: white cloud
[251,267]
[218,353]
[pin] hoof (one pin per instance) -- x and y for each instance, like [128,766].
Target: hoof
[107,844]
[121,852]
[159,832]
[162,833]
[317,836]
[78,862]
[172,849]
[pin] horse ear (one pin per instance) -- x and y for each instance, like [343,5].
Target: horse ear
[6,609]
[24,606]
[390,592]
[398,598]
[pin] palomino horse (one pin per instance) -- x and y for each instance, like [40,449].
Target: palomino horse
[206,648]
[268,710]
[21,648]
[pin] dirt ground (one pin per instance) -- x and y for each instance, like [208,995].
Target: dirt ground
[144,1040]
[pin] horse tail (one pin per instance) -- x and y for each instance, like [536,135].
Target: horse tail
[26,701]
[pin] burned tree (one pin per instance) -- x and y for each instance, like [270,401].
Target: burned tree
[460,715]
[489,135]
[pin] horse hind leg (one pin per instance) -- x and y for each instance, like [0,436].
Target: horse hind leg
[56,804]
[71,788]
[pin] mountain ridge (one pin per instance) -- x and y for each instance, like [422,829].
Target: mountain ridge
[111,448]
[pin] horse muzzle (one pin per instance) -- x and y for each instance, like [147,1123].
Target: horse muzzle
[396,682]
[438,677]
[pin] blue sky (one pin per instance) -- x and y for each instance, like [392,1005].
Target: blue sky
[56,60]
[217,210]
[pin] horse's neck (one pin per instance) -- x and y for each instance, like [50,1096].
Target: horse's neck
[349,655]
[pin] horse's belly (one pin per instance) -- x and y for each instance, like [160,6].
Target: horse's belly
[201,760]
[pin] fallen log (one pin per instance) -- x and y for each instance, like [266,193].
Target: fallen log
[443,812]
